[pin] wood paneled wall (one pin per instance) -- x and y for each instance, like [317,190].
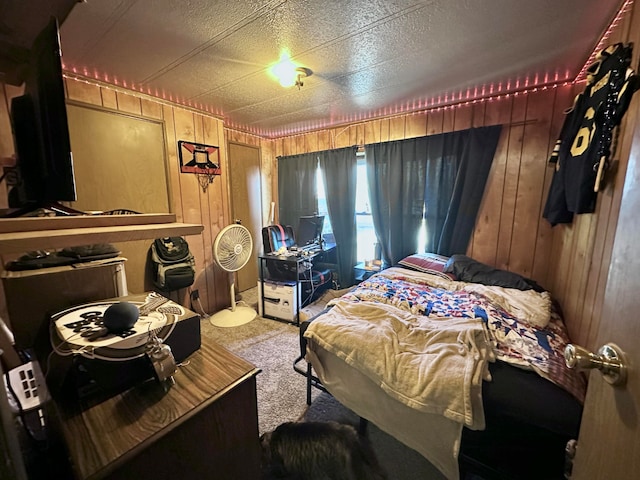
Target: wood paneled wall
[510,232]
[188,201]
[581,253]
[570,260]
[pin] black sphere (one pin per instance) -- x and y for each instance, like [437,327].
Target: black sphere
[120,316]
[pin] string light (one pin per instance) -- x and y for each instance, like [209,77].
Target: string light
[626,6]
[443,102]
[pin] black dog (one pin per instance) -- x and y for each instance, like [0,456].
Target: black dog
[318,451]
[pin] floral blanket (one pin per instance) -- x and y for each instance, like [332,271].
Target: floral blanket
[513,339]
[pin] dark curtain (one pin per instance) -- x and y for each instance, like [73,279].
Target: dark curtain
[396,174]
[443,175]
[338,169]
[442,156]
[297,195]
[474,164]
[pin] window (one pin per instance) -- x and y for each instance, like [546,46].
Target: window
[327,229]
[366,236]
[364,220]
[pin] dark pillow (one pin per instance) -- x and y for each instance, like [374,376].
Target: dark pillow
[467,269]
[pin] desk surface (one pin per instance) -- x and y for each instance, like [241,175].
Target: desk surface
[297,255]
[103,437]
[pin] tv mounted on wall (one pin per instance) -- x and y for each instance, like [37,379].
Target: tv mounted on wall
[41,133]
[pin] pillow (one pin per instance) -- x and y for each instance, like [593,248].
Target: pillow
[428,263]
[467,269]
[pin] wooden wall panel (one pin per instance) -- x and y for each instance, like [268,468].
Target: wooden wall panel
[396,128]
[109,97]
[544,245]
[462,117]
[416,125]
[510,186]
[372,132]
[435,122]
[85,93]
[531,181]
[486,233]
[581,251]
[129,103]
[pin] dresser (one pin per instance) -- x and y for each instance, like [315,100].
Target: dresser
[205,426]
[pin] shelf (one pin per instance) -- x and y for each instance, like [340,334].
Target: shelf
[27,224]
[42,233]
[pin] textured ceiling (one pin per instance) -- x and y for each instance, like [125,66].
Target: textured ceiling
[369,58]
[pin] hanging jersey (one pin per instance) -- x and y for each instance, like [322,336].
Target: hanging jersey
[583,148]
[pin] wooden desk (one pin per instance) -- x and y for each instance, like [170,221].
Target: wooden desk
[204,427]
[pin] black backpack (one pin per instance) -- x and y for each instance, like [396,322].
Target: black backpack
[172,263]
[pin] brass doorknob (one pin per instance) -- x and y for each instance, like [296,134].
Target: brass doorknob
[609,360]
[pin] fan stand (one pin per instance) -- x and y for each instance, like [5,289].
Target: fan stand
[233,316]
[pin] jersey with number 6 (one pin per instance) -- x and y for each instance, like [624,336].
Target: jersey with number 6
[585,140]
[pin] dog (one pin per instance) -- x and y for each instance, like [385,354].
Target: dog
[318,451]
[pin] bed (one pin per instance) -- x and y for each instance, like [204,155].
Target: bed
[458,360]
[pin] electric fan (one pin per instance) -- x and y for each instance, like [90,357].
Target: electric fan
[232,250]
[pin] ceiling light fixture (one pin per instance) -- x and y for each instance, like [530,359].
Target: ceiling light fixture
[288,73]
[302,72]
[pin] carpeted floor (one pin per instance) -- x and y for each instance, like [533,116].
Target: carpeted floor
[272,346]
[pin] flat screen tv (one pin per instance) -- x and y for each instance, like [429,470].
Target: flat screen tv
[309,230]
[41,133]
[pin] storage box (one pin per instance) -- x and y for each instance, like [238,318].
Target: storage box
[280,300]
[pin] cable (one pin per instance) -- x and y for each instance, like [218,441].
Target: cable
[308,266]
[204,314]
[194,295]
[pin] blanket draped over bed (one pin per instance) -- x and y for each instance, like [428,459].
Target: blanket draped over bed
[431,365]
[426,341]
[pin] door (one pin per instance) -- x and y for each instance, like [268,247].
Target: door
[246,204]
[609,441]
